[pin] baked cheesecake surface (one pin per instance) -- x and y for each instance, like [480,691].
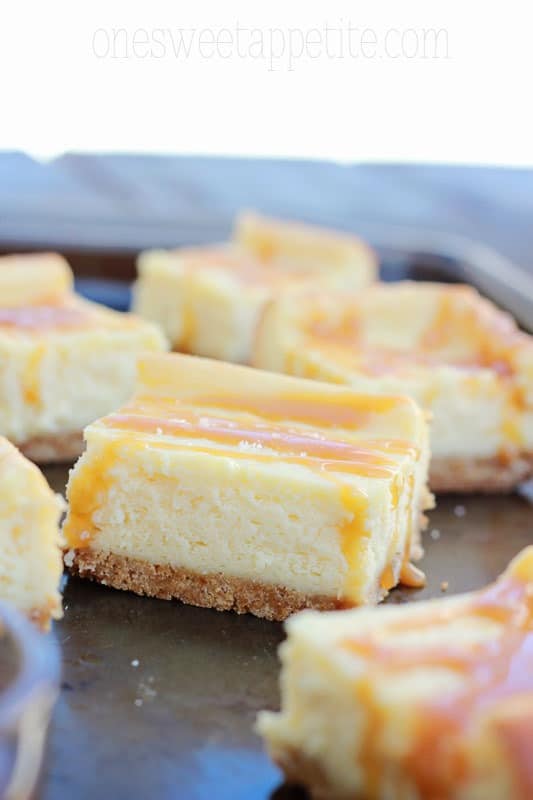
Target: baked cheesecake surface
[454,352]
[31,563]
[431,701]
[229,487]
[65,361]
[208,300]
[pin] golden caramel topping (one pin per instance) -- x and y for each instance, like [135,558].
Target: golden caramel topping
[492,672]
[412,576]
[85,492]
[487,337]
[235,389]
[368,458]
[328,410]
[388,579]
[43,317]
[31,378]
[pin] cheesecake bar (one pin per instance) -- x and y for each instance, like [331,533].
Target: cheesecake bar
[232,488]
[430,701]
[31,562]
[63,360]
[453,351]
[208,300]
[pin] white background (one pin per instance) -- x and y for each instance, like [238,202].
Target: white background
[474,106]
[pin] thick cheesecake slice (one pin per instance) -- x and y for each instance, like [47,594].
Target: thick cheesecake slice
[454,352]
[208,300]
[232,488]
[64,361]
[429,701]
[30,561]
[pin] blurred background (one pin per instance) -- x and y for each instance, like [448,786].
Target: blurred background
[129,125]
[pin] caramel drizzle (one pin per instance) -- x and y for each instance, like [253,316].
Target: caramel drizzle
[43,317]
[370,457]
[438,760]
[343,410]
[493,338]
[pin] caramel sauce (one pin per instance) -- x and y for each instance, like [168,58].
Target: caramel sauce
[328,410]
[387,580]
[439,761]
[409,575]
[346,331]
[319,454]
[190,424]
[188,331]
[30,376]
[43,317]
[492,337]
[412,576]
[86,489]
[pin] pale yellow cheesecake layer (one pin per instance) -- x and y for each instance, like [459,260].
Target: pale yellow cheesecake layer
[227,471]
[30,561]
[209,300]
[425,701]
[454,352]
[65,361]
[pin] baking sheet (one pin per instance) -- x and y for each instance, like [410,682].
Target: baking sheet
[158,699]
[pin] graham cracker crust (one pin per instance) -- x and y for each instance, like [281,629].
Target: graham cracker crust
[486,475]
[56,448]
[214,590]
